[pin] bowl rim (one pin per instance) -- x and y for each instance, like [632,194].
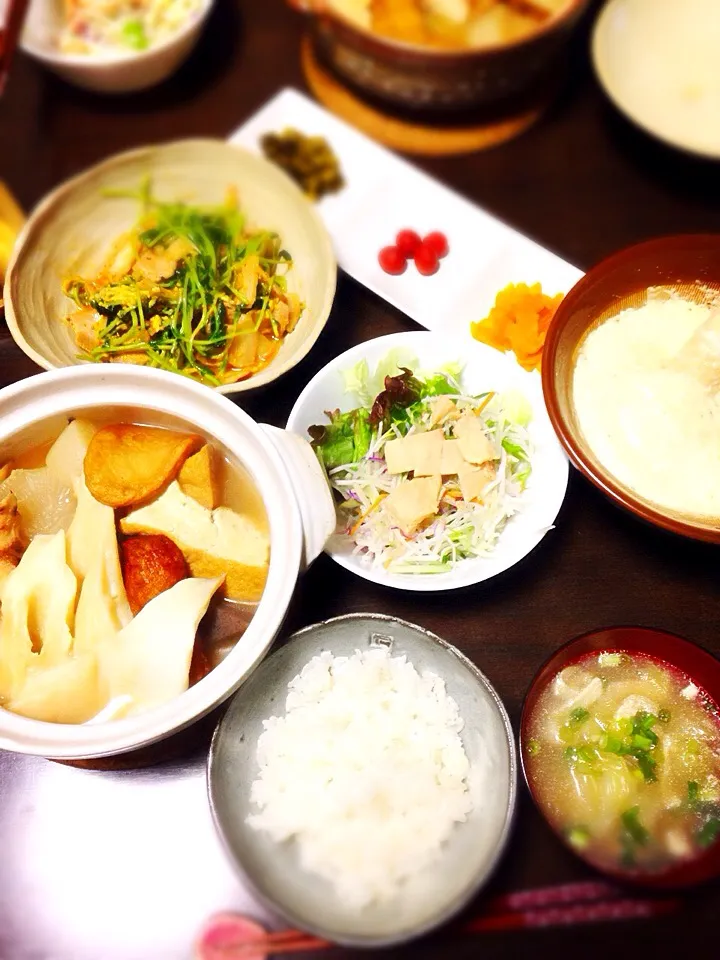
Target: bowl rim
[562,19]
[503,837]
[33,401]
[59,195]
[600,27]
[57,58]
[450,580]
[568,437]
[700,869]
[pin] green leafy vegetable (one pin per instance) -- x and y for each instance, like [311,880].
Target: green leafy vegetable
[134,35]
[708,833]
[632,835]
[613,659]
[514,449]
[516,407]
[582,754]
[533,747]
[345,439]
[400,392]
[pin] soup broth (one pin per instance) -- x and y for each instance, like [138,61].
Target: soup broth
[169,511]
[623,754]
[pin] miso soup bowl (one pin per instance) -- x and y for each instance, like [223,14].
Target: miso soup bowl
[690,659]
[688,264]
[284,469]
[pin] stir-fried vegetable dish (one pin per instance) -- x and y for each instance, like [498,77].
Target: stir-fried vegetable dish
[426,475]
[623,753]
[192,290]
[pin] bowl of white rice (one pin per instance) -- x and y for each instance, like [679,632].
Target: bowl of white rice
[364,780]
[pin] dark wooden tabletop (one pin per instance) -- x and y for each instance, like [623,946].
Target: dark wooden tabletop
[583,183]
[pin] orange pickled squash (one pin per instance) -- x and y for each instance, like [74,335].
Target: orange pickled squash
[519,321]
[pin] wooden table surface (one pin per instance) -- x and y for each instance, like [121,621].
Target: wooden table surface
[583,183]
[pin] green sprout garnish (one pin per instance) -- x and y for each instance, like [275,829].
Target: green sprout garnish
[212,283]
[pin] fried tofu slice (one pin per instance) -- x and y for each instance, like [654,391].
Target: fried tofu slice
[198,478]
[128,464]
[214,542]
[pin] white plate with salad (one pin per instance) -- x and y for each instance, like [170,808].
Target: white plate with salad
[444,465]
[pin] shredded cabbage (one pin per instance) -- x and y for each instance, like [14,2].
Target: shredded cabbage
[352,450]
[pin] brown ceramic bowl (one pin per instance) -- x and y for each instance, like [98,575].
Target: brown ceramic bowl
[689,264]
[434,78]
[697,664]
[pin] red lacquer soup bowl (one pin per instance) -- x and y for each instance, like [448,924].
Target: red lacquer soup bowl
[679,655]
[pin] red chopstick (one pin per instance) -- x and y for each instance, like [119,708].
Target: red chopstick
[10,36]
[564,893]
[569,904]
[627,908]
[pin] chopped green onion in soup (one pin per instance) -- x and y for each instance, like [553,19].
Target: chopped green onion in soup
[625,764]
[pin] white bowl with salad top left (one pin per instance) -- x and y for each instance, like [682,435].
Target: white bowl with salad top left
[112,47]
[445,467]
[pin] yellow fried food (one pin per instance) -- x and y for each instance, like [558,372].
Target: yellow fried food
[127,464]
[198,478]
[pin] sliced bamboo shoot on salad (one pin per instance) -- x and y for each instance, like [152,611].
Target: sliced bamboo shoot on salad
[426,474]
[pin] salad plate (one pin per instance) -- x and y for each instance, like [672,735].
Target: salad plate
[536,479]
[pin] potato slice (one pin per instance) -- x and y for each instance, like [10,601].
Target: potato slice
[198,478]
[128,464]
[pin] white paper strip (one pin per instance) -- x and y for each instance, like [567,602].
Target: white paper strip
[384,194]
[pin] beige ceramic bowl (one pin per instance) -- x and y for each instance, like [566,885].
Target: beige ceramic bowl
[74,228]
[657,60]
[126,72]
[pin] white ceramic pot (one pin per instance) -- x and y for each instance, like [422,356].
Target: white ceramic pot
[284,468]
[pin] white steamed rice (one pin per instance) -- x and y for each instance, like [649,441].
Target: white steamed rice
[366,771]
